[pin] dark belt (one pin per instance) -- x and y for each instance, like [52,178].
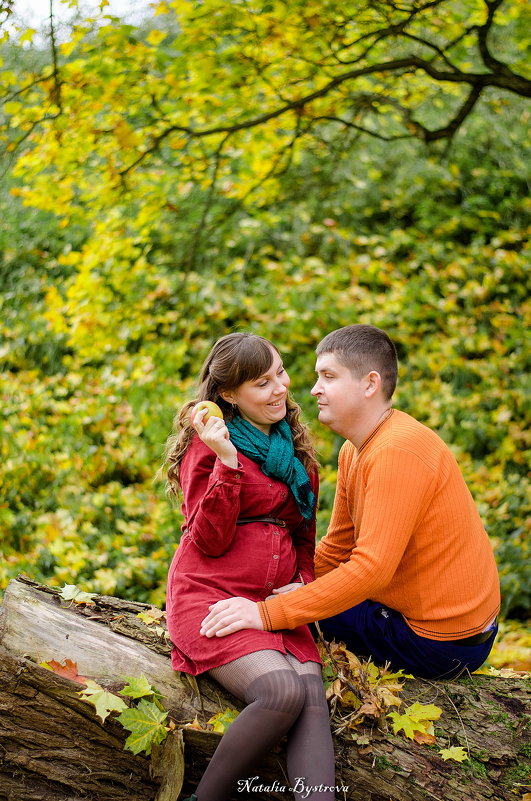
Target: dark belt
[475,639]
[276,522]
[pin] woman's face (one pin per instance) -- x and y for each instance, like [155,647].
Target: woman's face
[262,401]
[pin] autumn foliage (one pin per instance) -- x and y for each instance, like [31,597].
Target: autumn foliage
[284,168]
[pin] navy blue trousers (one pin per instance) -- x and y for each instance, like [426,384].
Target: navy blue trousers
[371,629]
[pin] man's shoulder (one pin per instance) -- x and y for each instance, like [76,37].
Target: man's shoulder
[409,436]
[405,428]
[403,424]
[402,432]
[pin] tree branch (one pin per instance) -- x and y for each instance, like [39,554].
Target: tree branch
[56,97]
[514,83]
[448,131]
[360,128]
[498,75]
[483,31]
[11,95]
[198,233]
[6,7]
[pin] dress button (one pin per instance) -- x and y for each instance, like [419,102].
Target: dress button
[276,532]
[275,556]
[237,475]
[269,584]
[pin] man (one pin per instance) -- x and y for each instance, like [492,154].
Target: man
[406,572]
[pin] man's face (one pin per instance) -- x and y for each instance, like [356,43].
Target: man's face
[340,396]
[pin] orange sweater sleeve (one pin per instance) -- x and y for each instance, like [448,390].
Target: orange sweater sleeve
[394,487]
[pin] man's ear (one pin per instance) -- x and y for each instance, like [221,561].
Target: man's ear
[373,382]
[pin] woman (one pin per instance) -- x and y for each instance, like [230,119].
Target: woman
[249,484]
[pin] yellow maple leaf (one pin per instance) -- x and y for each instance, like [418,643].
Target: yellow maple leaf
[387,697]
[222,720]
[424,711]
[455,752]
[349,699]
[416,718]
[151,616]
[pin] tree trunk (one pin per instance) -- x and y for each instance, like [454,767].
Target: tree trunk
[53,746]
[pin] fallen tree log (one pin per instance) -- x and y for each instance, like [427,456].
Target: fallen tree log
[53,746]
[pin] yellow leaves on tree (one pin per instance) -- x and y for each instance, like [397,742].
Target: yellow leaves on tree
[264,77]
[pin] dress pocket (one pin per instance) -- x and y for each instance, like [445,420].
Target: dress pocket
[256,499]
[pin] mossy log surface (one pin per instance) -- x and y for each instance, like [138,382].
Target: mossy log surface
[53,746]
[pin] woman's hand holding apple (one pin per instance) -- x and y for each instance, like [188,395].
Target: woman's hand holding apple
[207,419]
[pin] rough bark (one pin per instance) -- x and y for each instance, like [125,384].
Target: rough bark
[53,747]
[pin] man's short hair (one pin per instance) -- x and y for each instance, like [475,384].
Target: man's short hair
[363,348]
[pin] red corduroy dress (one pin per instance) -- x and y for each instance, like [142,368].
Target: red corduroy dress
[216,558]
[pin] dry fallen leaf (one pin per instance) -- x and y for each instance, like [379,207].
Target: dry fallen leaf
[66,668]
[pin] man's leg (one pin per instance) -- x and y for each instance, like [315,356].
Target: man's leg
[371,629]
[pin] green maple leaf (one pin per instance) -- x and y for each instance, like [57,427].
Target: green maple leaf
[138,687]
[456,752]
[68,591]
[104,701]
[146,726]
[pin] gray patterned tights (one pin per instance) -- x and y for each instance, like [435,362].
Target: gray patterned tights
[283,696]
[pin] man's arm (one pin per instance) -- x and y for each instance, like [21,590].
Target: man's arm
[393,503]
[392,506]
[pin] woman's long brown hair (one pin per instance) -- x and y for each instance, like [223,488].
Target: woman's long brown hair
[234,359]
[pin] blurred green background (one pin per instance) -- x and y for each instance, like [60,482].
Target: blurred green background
[148,207]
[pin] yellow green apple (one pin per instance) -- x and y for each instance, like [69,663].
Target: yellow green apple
[212,408]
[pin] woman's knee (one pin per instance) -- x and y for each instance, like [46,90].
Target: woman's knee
[280,690]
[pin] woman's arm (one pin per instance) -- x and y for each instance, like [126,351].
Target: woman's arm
[211,493]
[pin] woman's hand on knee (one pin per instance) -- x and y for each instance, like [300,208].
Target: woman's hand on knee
[230,615]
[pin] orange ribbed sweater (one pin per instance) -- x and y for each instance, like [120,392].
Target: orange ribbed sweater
[404,532]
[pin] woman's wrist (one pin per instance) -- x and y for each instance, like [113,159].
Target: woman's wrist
[229,461]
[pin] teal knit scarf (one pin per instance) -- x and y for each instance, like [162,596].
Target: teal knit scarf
[276,456]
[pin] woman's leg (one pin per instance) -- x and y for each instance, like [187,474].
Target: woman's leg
[275,695]
[283,696]
[310,751]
